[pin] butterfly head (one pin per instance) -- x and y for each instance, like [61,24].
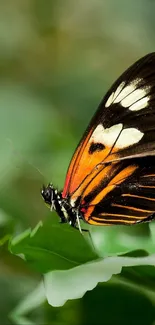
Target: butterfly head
[54,200]
[49,194]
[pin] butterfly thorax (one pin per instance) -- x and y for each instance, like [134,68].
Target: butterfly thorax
[53,198]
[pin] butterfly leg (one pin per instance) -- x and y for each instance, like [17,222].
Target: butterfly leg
[82,230]
[77,226]
[78,222]
[85,230]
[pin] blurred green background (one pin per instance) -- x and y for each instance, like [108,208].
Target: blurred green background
[57,60]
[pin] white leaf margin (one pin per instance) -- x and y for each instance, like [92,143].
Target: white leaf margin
[61,286]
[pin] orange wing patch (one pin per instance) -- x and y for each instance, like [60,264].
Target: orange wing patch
[106,222]
[73,165]
[118,179]
[82,165]
[99,146]
[88,156]
[92,180]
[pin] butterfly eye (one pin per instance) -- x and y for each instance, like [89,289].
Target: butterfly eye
[47,194]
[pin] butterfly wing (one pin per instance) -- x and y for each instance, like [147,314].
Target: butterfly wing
[123,127]
[125,195]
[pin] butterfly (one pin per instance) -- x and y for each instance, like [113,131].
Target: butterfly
[111,176]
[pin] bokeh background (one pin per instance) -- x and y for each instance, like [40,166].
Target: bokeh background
[57,60]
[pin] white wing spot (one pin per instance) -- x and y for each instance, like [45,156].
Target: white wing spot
[114,94]
[140,104]
[106,136]
[110,100]
[127,90]
[119,88]
[122,92]
[130,96]
[134,96]
[128,137]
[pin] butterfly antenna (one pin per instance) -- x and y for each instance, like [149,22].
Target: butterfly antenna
[16,152]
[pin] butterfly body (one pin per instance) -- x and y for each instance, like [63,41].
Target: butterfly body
[111,177]
[66,212]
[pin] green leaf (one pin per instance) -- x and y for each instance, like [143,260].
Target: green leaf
[53,246]
[72,284]
[118,303]
[110,241]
